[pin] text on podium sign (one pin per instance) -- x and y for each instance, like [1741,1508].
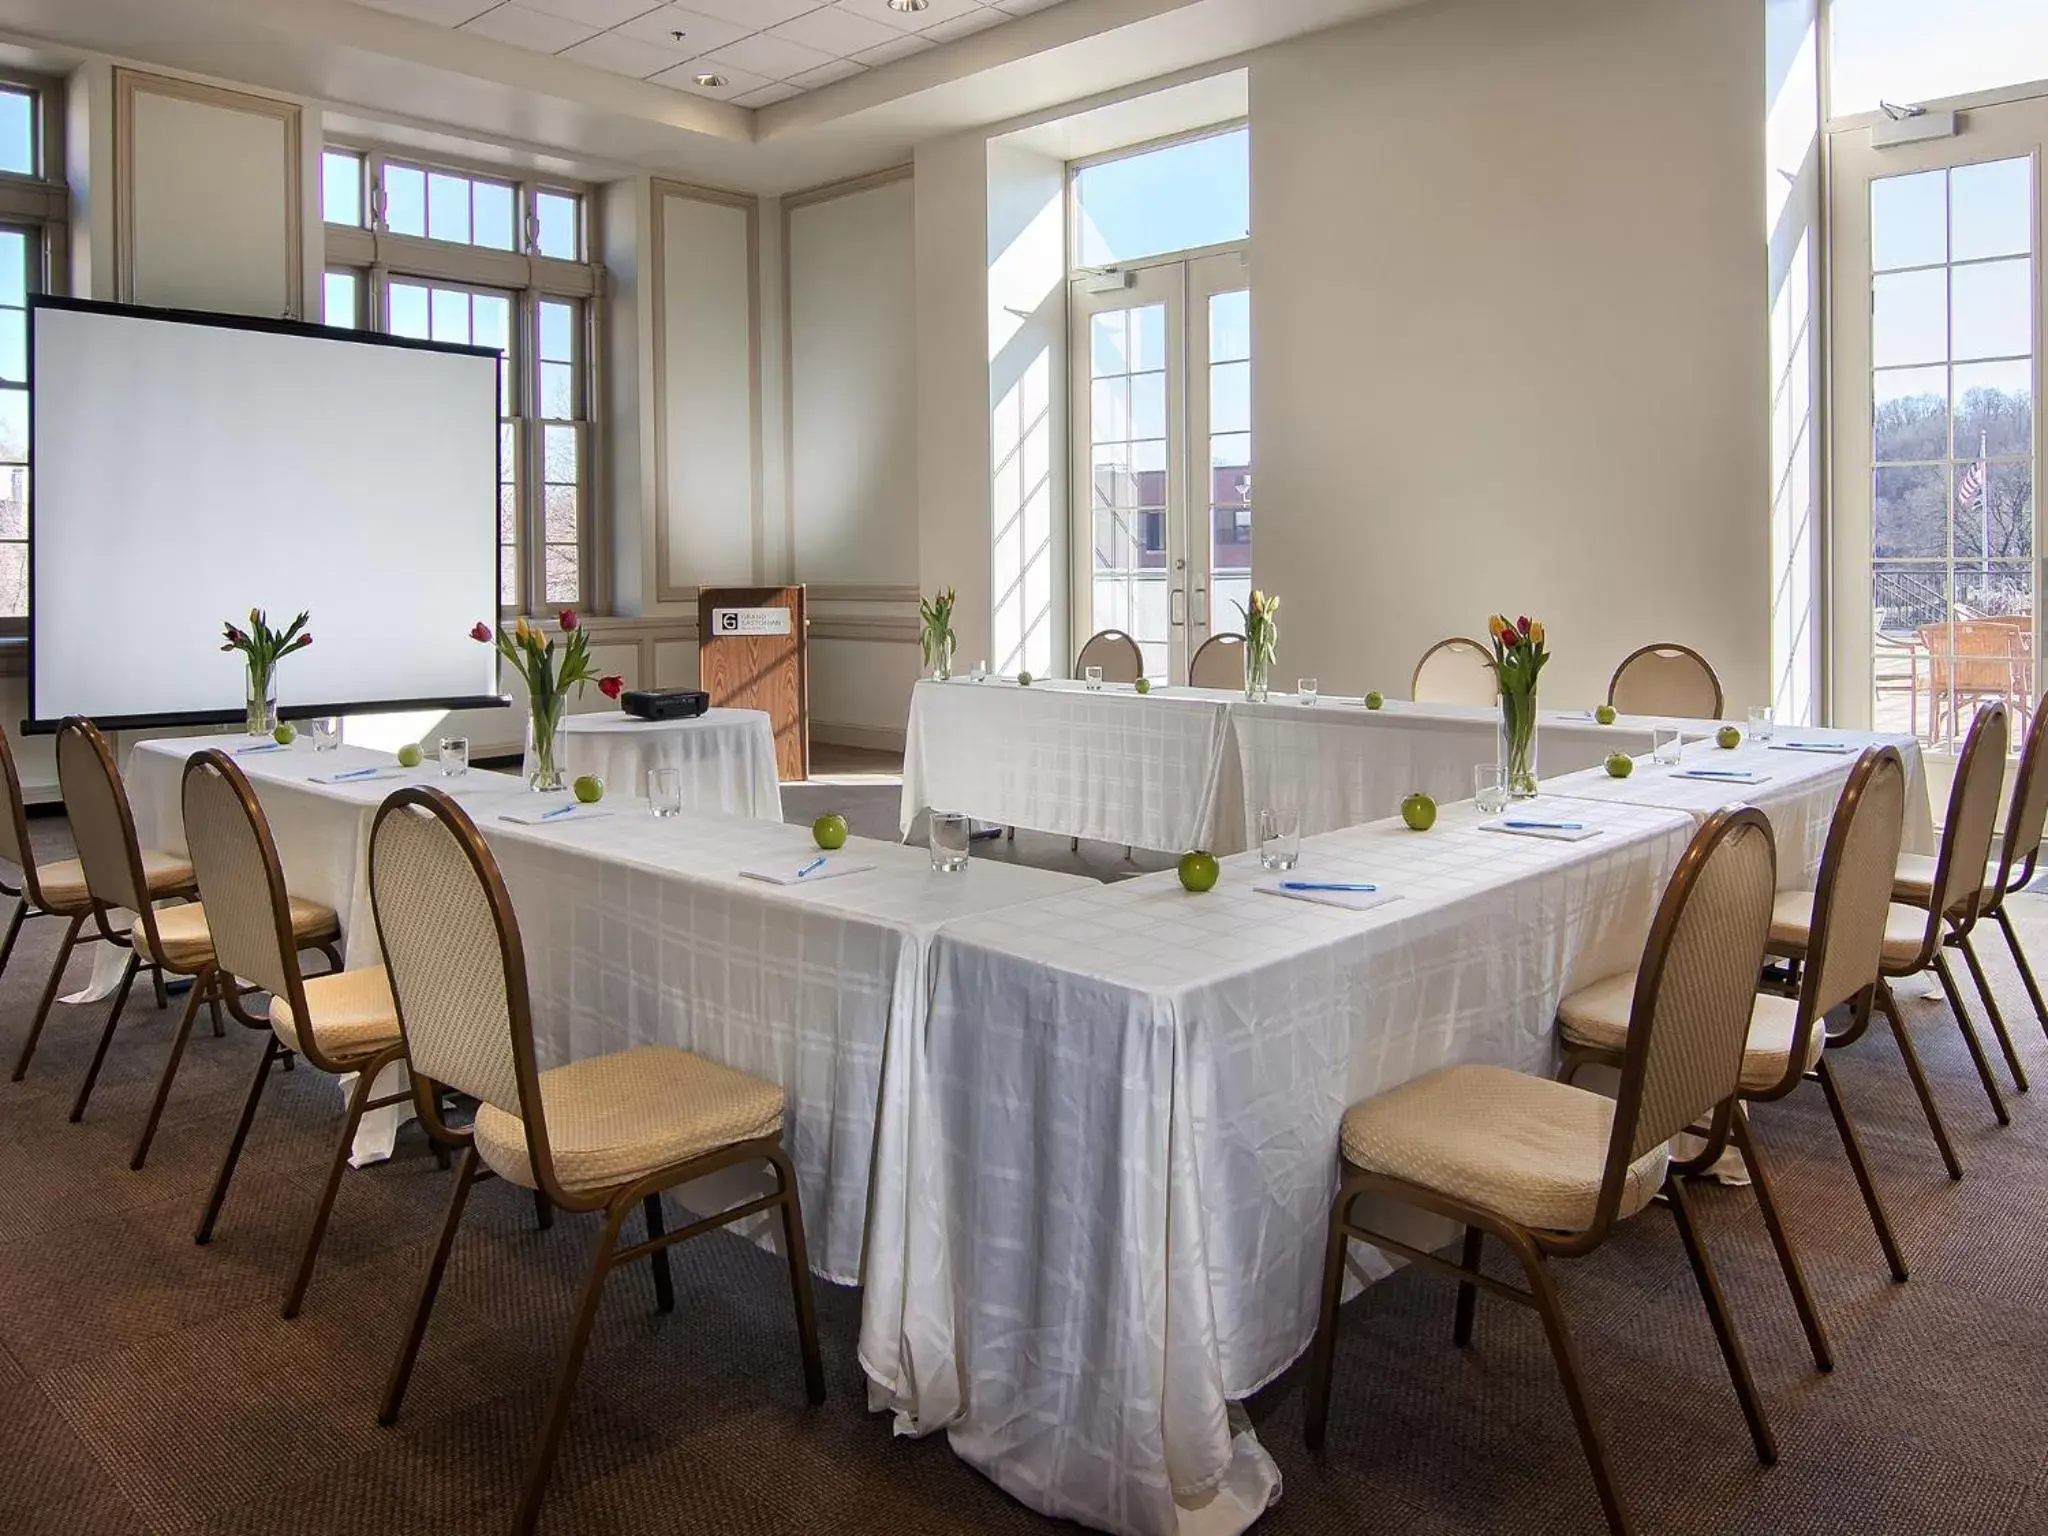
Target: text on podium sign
[750,621]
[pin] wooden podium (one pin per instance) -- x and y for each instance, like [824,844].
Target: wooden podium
[752,653]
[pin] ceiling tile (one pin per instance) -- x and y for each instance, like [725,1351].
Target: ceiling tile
[447,13]
[625,55]
[754,15]
[1025,7]
[904,45]
[768,95]
[737,81]
[838,69]
[776,58]
[524,28]
[595,13]
[934,12]
[977,20]
[837,32]
[701,33]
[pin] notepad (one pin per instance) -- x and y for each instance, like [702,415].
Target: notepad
[1351,901]
[561,815]
[358,775]
[1537,828]
[1830,748]
[1724,775]
[790,874]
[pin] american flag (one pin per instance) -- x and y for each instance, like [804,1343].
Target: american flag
[1970,484]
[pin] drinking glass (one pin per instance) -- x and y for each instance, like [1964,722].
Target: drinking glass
[326,733]
[1306,690]
[1490,788]
[1667,746]
[980,672]
[1093,676]
[454,756]
[1761,724]
[665,791]
[951,834]
[1279,839]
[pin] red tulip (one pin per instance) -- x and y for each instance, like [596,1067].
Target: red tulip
[481,631]
[610,687]
[567,620]
[1523,624]
[303,641]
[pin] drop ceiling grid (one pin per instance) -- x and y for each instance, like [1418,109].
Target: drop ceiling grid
[761,51]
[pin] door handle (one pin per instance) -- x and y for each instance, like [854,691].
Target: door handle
[1177,607]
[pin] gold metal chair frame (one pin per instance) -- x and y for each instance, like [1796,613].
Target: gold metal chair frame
[617,1203]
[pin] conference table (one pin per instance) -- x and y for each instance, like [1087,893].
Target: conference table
[643,931]
[724,758]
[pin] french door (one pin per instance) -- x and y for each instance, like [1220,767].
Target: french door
[1161,388]
[1938,295]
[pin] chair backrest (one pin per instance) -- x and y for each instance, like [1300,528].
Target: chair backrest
[14,843]
[1455,671]
[1853,895]
[2021,850]
[1218,663]
[102,826]
[1116,653]
[241,883]
[1666,679]
[1959,867]
[1696,988]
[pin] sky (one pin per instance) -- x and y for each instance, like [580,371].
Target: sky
[1906,51]
[1176,199]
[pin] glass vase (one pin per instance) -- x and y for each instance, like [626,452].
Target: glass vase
[1518,744]
[259,700]
[1258,665]
[544,746]
[938,650]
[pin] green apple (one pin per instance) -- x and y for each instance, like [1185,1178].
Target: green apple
[1375,699]
[1198,871]
[409,755]
[1143,685]
[1419,811]
[285,734]
[1620,765]
[1023,679]
[589,788]
[1604,714]
[829,830]
[1728,738]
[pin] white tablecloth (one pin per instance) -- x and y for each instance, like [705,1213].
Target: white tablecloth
[1126,1110]
[726,757]
[1799,797]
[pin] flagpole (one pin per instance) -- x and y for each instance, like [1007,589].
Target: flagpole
[1984,500]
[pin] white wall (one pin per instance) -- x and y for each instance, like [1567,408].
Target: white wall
[1509,319]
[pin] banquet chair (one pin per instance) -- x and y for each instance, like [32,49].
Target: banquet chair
[1455,671]
[1787,1034]
[2019,852]
[1666,679]
[1116,653]
[1218,663]
[340,1022]
[1548,1168]
[1915,936]
[57,889]
[605,1134]
[172,940]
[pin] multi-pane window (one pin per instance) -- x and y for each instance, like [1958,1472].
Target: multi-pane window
[561,435]
[1230,458]
[19,250]
[450,206]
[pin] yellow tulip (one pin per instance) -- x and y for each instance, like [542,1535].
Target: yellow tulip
[1536,631]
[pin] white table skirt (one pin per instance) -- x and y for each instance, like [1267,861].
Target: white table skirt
[726,757]
[1126,1107]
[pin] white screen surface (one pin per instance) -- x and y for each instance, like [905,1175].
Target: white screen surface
[185,472]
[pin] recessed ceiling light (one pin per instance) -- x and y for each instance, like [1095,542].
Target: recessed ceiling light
[909,5]
[714,81]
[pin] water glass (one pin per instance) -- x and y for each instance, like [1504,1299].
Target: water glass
[1490,788]
[1761,724]
[454,756]
[665,791]
[980,672]
[326,733]
[1279,839]
[1093,676]
[951,835]
[1306,690]
[1667,746]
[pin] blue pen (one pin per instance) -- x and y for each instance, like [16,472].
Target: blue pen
[560,810]
[1716,773]
[1545,826]
[355,773]
[1324,885]
[268,746]
[812,868]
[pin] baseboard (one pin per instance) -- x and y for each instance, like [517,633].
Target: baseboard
[875,738]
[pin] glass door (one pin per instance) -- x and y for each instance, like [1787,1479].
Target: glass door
[1220,444]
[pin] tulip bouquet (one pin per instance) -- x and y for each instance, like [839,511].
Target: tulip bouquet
[1519,653]
[936,639]
[549,672]
[263,647]
[1261,641]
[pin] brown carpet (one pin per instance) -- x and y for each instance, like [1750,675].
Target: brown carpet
[148,1385]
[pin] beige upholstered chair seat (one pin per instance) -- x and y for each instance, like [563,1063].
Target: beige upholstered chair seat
[353,1014]
[614,1118]
[1914,881]
[63,883]
[1529,1148]
[1792,918]
[1597,1017]
[188,944]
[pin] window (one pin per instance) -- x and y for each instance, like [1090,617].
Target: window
[341,187]
[557,217]
[561,448]
[341,301]
[18,149]
[1181,196]
[447,205]
[1906,51]
[20,252]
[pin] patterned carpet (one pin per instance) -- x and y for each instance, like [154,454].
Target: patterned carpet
[147,1385]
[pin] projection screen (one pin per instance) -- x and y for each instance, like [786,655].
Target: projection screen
[186,468]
